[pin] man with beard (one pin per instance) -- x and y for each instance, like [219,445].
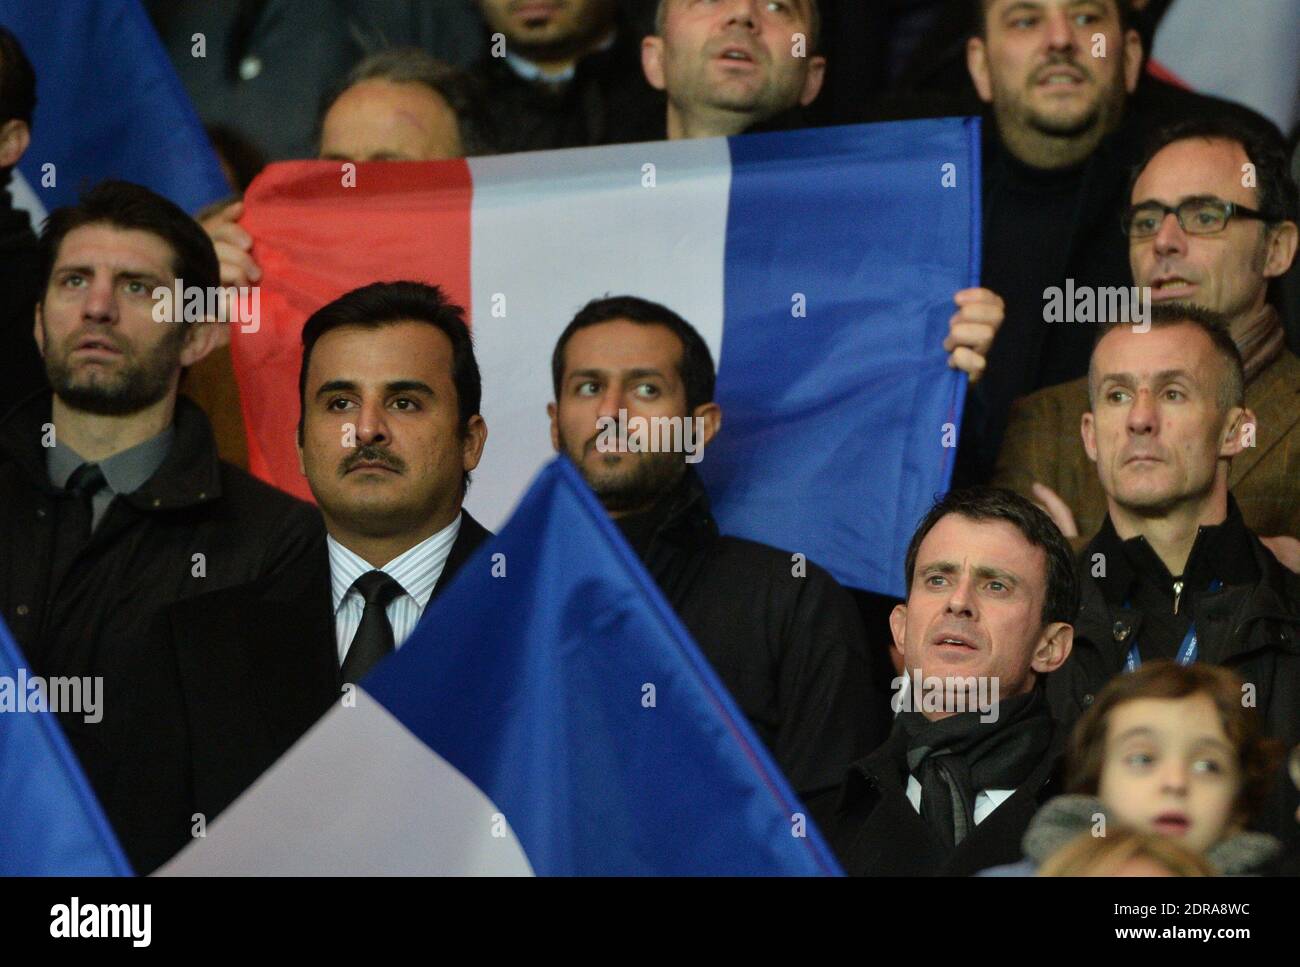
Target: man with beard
[1197,235]
[397,105]
[563,74]
[734,65]
[115,501]
[1064,133]
[782,635]
[388,434]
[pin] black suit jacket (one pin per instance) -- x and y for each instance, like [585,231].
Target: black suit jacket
[227,683]
[877,831]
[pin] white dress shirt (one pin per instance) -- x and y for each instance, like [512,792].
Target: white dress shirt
[417,570]
[986,800]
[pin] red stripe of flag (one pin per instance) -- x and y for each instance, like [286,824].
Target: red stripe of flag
[315,239]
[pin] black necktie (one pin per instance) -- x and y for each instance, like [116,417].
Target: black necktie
[374,637]
[86,481]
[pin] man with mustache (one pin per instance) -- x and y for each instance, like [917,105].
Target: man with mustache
[974,751]
[1212,222]
[400,104]
[1066,123]
[782,635]
[389,432]
[1174,572]
[563,74]
[116,503]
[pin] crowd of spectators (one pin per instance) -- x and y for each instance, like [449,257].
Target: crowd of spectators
[1119,554]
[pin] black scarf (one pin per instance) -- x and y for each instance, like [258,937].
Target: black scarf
[955,757]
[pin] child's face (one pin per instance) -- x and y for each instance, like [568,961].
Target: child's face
[1170,769]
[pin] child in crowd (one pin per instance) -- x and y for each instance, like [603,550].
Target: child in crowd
[1171,750]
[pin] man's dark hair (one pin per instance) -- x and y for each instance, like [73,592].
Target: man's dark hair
[17,81]
[814,23]
[1232,384]
[1061,602]
[696,367]
[388,303]
[410,65]
[133,207]
[1279,198]
[1127,17]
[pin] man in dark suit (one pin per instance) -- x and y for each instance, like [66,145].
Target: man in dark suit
[974,750]
[389,433]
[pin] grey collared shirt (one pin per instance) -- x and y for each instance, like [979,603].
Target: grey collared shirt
[124,472]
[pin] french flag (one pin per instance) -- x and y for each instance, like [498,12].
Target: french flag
[819,266]
[549,715]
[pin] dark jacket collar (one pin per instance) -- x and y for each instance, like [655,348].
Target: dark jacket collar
[190,473]
[878,832]
[1241,618]
[683,517]
[1220,552]
[884,768]
[468,540]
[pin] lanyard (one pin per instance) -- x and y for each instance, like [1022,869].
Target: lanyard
[1186,651]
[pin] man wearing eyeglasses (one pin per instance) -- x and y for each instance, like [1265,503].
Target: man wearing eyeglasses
[1212,224]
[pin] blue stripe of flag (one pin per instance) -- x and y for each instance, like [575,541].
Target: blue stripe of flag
[844,249]
[567,690]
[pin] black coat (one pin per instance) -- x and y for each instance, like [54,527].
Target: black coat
[227,683]
[1253,629]
[877,831]
[90,619]
[790,649]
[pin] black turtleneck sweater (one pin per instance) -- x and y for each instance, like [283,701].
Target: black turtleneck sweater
[1030,217]
[1042,228]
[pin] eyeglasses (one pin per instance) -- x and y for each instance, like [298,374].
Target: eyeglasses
[1196,216]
